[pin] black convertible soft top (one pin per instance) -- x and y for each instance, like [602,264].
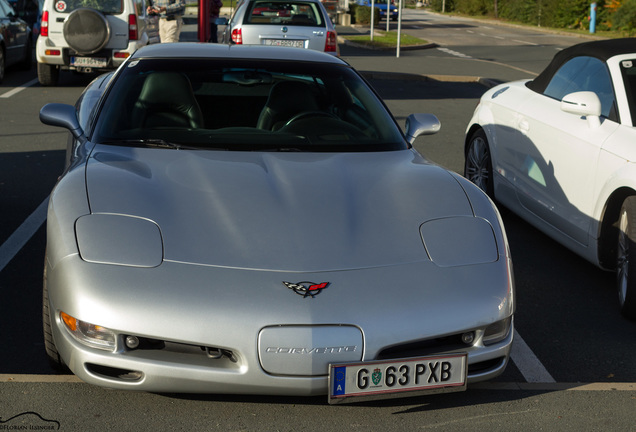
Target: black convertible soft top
[603,50]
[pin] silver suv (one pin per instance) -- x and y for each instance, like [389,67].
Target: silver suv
[91,35]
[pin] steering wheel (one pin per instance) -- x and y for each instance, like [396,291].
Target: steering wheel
[308,114]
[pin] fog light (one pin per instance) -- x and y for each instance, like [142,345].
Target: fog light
[497,332]
[468,338]
[132,342]
[91,335]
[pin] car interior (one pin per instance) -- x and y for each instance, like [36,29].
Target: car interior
[246,107]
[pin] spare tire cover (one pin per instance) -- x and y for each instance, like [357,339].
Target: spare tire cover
[86,31]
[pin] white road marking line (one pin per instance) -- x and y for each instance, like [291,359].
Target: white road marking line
[528,363]
[525,42]
[18,89]
[454,53]
[23,234]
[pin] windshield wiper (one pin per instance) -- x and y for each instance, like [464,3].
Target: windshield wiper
[147,142]
[282,149]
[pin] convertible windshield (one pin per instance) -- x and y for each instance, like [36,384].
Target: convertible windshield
[245,105]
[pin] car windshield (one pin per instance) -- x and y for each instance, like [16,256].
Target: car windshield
[628,70]
[287,13]
[245,105]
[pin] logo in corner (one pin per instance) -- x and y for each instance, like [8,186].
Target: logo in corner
[306,289]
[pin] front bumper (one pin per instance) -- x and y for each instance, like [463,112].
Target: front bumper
[200,319]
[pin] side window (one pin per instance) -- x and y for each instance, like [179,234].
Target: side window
[584,74]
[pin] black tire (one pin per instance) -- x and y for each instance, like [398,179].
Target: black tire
[3,64]
[626,258]
[48,75]
[478,163]
[55,360]
[28,56]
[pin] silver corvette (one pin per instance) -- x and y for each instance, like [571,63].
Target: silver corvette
[238,219]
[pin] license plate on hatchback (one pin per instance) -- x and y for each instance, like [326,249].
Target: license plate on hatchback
[285,42]
[397,378]
[96,62]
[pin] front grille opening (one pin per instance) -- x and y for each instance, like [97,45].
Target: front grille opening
[423,348]
[141,344]
[114,373]
[485,366]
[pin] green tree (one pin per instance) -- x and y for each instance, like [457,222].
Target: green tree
[624,19]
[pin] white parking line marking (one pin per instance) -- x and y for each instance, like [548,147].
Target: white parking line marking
[23,234]
[528,363]
[18,89]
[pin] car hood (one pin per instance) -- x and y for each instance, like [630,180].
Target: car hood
[304,212]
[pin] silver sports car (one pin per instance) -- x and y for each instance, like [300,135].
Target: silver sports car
[238,219]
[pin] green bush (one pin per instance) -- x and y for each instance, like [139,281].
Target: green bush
[524,11]
[625,17]
[363,15]
[352,12]
[436,5]
[474,7]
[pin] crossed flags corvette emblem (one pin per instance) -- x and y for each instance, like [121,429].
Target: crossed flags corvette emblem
[306,289]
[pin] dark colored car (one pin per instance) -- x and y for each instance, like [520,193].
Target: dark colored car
[16,43]
[382,7]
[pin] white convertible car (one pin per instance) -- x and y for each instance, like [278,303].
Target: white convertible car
[559,151]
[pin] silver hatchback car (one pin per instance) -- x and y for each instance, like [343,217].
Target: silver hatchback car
[295,23]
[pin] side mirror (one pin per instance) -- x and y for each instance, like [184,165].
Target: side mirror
[585,104]
[62,115]
[221,21]
[421,124]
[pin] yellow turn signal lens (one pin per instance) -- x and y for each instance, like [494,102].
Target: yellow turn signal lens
[70,322]
[91,335]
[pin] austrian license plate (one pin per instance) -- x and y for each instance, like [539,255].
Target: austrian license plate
[96,62]
[392,378]
[285,42]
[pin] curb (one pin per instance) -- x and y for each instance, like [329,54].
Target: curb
[401,76]
[346,41]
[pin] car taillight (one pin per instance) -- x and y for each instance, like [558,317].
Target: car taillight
[331,44]
[44,25]
[132,27]
[237,36]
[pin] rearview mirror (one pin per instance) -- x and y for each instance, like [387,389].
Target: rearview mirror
[421,124]
[585,103]
[62,115]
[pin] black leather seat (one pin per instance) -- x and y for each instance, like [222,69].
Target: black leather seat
[286,99]
[166,99]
